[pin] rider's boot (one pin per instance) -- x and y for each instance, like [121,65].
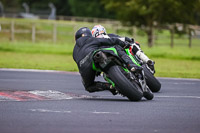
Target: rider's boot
[101,86]
[110,88]
[134,68]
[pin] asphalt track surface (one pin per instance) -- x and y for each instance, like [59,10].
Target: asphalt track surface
[56,102]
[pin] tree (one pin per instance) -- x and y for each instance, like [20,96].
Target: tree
[89,8]
[148,12]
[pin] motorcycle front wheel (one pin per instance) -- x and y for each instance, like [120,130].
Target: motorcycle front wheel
[148,94]
[153,84]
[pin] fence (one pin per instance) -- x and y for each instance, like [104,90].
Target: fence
[58,31]
[14,29]
[48,27]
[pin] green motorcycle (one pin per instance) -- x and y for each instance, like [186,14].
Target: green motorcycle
[129,84]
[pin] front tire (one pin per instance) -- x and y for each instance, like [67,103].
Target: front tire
[125,86]
[148,94]
[153,84]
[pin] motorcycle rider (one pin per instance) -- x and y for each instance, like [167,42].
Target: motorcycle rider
[99,31]
[82,55]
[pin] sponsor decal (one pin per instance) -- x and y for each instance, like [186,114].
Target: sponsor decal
[84,60]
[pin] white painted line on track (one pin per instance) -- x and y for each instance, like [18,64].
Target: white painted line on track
[95,112]
[36,70]
[30,80]
[77,73]
[196,97]
[183,83]
[192,79]
[68,111]
[49,111]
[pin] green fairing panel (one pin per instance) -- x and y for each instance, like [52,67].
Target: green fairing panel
[132,57]
[111,49]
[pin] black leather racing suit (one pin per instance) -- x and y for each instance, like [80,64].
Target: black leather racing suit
[83,49]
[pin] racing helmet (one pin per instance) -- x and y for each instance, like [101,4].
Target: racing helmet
[98,31]
[84,31]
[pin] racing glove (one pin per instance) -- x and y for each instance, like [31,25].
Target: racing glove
[124,44]
[130,40]
[127,45]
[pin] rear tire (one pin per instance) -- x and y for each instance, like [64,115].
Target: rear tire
[153,84]
[125,86]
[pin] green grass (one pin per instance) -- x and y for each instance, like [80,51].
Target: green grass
[37,61]
[43,48]
[177,68]
[179,61]
[178,52]
[164,67]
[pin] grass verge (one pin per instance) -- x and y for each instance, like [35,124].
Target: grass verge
[37,61]
[179,68]
[180,61]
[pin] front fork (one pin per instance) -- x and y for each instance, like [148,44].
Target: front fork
[142,82]
[152,71]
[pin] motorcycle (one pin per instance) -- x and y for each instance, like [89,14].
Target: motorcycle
[129,84]
[151,80]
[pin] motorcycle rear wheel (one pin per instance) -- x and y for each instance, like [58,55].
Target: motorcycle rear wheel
[125,86]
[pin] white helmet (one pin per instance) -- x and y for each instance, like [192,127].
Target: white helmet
[98,31]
